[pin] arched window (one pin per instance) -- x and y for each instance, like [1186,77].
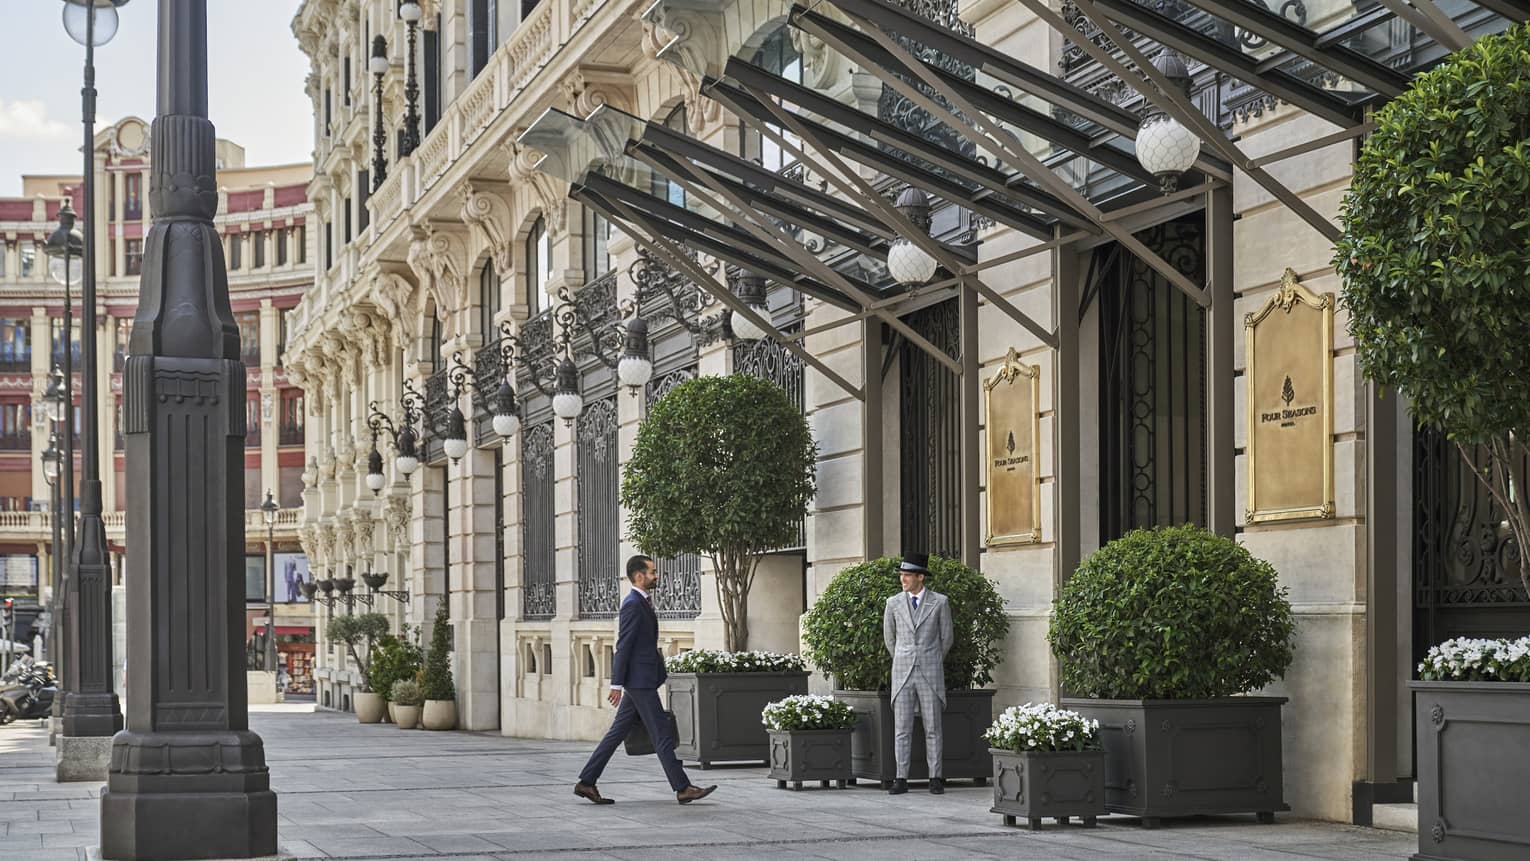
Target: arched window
[538,266]
[662,187]
[488,300]
[778,56]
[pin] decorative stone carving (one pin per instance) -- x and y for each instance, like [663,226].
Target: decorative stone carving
[437,257]
[397,300]
[396,517]
[548,194]
[342,540]
[487,215]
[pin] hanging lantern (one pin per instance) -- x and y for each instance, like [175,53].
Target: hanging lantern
[408,454]
[909,264]
[455,444]
[375,478]
[634,368]
[566,401]
[1164,145]
[506,420]
[751,291]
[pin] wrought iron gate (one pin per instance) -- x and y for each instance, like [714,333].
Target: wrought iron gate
[929,408]
[539,594]
[1153,387]
[599,511]
[769,360]
[679,593]
[1465,561]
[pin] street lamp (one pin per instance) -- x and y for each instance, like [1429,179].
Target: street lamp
[908,263]
[378,66]
[751,291]
[268,511]
[51,458]
[635,368]
[410,11]
[506,416]
[1164,145]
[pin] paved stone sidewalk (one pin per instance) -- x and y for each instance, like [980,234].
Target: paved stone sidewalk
[353,791]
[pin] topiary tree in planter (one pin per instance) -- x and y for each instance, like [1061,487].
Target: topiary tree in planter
[842,633]
[359,634]
[436,681]
[1435,257]
[723,467]
[1156,633]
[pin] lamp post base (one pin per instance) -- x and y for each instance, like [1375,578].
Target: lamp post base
[188,795]
[82,758]
[93,714]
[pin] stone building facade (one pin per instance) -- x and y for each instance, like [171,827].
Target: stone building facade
[1131,302]
[263,215]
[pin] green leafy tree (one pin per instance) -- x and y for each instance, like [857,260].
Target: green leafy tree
[1435,258]
[724,468]
[843,629]
[359,634]
[437,682]
[1172,613]
[395,659]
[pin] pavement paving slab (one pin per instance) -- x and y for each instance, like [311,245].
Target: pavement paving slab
[361,792]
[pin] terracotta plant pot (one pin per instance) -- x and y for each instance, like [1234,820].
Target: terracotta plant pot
[369,707]
[407,717]
[392,712]
[440,714]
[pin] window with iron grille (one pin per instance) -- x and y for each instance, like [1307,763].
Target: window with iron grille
[599,511]
[678,595]
[538,541]
[769,360]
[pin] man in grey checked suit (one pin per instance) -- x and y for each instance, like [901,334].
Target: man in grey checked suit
[916,626]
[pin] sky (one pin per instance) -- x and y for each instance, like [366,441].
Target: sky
[255,83]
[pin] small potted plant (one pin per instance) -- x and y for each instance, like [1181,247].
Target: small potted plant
[360,634]
[716,696]
[1047,761]
[809,739]
[394,658]
[1158,635]
[1473,698]
[843,636]
[407,699]
[440,693]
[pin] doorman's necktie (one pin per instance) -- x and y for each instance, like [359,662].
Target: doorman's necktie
[913,601]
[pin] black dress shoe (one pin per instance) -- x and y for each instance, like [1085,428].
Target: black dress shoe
[937,786]
[694,793]
[899,787]
[584,790]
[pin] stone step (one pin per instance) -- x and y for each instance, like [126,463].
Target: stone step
[1395,817]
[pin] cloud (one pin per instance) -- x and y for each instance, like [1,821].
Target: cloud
[28,120]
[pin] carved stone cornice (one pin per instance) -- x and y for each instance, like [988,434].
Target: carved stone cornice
[396,516]
[549,195]
[487,215]
[438,259]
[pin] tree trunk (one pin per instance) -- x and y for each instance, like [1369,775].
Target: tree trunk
[733,582]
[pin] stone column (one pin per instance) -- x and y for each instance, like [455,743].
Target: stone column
[187,777]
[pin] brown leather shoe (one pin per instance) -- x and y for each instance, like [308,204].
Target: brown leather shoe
[693,792]
[584,790]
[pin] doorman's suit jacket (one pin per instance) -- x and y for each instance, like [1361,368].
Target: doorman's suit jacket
[918,642]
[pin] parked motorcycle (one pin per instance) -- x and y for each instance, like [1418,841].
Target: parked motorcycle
[26,691]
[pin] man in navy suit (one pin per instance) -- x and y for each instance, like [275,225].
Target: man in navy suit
[637,670]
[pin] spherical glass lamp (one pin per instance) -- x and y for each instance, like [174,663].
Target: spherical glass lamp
[375,478]
[635,369]
[378,65]
[506,419]
[566,401]
[50,461]
[455,445]
[408,459]
[1165,146]
[751,291]
[77,20]
[409,11]
[909,264]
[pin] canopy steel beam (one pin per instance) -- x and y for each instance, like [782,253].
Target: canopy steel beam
[657,244]
[1315,144]
[754,107]
[1230,60]
[1275,28]
[1169,98]
[999,138]
[853,185]
[1427,17]
[1514,10]
[763,230]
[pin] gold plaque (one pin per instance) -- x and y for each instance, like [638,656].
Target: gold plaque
[1014,440]
[1289,344]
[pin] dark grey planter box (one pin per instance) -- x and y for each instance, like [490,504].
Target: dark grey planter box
[967,715]
[717,715]
[1166,758]
[809,754]
[1473,742]
[1031,784]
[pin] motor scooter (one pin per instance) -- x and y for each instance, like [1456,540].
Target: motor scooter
[26,692]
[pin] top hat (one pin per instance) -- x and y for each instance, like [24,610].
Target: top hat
[919,563]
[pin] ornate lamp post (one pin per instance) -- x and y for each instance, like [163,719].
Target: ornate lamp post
[66,252]
[91,710]
[379,67]
[51,458]
[410,11]
[268,510]
[188,755]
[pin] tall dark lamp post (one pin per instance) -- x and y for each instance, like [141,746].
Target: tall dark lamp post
[51,458]
[410,11]
[57,403]
[378,66]
[188,779]
[91,709]
[268,511]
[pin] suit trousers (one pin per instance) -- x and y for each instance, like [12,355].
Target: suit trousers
[638,704]
[917,691]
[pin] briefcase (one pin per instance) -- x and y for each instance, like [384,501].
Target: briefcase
[640,743]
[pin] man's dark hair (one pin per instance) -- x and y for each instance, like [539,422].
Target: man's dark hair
[637,564]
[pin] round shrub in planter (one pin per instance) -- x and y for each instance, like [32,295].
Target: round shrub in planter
[842,633]
[716,698]
[359,634]
[1047,761]
[407,700]
[1156,634]
[394,658]
[809,740]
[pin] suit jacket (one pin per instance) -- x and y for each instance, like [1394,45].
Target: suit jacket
[637,662]
[919,641]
